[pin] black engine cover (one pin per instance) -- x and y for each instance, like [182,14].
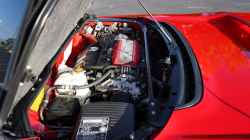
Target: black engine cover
[105,120]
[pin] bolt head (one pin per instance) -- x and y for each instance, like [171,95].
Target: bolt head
[152,104]
[131,136]
[32,89]
[153,113]
[20,84]
[123,75]
[168,61]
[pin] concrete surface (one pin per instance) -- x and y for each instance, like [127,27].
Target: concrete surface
[123,7]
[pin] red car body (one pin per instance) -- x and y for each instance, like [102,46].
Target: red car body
[221,44]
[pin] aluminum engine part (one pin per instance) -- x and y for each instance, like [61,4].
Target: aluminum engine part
[113,27]
[99,26]
[121,36]
[124,82]
[126,69]
[87,32]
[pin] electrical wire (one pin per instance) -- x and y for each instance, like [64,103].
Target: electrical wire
[141,109]
[70,131]
[53,131]
[54,138]
[30,138]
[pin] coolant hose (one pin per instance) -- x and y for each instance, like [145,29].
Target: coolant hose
[64,72]
[91,78]
[95,82]
[41,113]
[45,102]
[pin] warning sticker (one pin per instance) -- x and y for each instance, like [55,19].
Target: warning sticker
[93,128]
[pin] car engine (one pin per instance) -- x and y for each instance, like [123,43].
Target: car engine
[119,52]
[108,77]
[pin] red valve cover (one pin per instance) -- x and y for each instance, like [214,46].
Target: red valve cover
[126,52]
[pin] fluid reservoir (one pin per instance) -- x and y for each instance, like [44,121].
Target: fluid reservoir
[69,76]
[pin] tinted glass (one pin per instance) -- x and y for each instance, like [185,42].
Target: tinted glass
[11,15]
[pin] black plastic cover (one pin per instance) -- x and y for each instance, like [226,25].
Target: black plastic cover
[63,112]
[121,118]
[121,96]
[90,56]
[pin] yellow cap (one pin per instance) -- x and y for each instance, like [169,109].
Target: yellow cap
[79,69]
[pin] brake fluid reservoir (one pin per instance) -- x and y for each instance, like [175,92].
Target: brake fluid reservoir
[76,77]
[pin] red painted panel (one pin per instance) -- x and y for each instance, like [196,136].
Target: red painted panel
[222,47]
[40,128]
[221,43]
[135,54]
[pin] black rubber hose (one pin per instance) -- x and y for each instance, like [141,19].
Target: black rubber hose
[53,131]
[64,72]
[95,82]
[45,102]
[99,93]
[41,113]
[109,67]
[49,90]
[97,67]
[91,78]
[141,98]
[53,138]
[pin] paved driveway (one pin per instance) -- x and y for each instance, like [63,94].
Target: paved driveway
[121,7]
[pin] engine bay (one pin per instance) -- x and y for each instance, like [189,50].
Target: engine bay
[102,85]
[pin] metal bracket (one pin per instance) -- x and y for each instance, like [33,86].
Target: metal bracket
[29,77]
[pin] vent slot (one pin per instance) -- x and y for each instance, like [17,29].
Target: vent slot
[188,67]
